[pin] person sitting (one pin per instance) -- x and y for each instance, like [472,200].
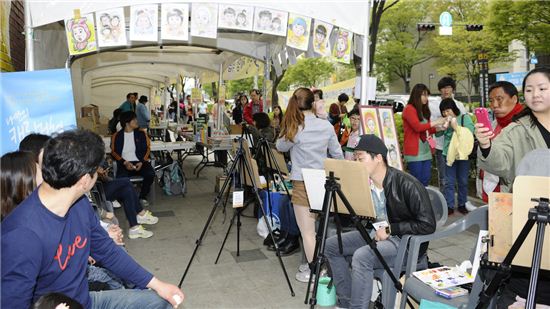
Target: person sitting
[66,230]
[130,147]
[351,136]
[18,179]
[262,128]
[114,123]
[401,203]
[121,189]
[56,301]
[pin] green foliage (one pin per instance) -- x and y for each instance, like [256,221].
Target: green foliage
[307,72]
[207,87]
[456,54]
[527,21]
[398,119]
[233,87]
[344,72]
[400,46]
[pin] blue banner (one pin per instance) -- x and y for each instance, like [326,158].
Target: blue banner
[35,102]
[514,78]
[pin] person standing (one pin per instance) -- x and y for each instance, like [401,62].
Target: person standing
[308,139]
[130,104]
[417,131]
[255,106]
[142,112]
[320,110]
[238,110]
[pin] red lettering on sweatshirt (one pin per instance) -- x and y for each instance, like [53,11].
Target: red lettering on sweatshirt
[78,244]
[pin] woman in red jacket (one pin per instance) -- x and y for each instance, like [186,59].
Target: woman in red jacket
[417,128]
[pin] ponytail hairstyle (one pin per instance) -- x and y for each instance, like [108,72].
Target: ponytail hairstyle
[301,100]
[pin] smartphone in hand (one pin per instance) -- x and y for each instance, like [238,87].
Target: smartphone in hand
[483,117]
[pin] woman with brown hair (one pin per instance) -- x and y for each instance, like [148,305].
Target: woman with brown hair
[308,139]
[17,179]
[418,130]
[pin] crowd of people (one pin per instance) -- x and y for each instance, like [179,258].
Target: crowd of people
[75,248]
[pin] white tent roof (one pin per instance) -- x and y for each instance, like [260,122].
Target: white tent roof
[346,14]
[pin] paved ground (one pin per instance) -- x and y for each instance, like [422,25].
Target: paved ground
[254,280]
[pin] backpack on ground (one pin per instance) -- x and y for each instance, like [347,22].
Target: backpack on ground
[172,179]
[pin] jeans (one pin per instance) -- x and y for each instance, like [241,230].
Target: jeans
[98,274]
[354,287]
[421,170]
[128,299]
[440,163]
[121,189]
[146,172]
[457,174]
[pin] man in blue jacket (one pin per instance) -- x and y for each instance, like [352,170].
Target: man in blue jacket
[130,147]
[47,239]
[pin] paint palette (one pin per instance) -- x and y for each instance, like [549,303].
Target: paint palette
[443,277]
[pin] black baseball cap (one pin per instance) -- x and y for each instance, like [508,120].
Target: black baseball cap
[370,143]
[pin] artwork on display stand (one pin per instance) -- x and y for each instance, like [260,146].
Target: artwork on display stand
[379,121]
[236,17]
[111,29]
[270,21]
[343,46]
[321,36]
[144,22]
[298,32]
[174,21]
[204,20]
[81,36]
[390,137]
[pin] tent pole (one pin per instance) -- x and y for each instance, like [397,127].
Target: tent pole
[266,78]
[365,61]
[29,34]
[219,118]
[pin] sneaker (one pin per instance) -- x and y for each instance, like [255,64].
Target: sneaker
[139,232]
[303,268]
[470,206]
[462,209]
[147,218]
[144,203]
[116,204]
[303,276]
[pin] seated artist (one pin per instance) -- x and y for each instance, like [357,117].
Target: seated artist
[401,202]
[130,147]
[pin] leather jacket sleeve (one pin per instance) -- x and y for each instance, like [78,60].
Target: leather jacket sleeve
[409,207]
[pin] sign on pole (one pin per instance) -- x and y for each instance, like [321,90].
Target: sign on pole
[445,24]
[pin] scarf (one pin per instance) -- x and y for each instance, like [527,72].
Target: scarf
[505,121]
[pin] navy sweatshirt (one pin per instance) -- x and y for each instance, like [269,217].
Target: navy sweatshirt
[42,252]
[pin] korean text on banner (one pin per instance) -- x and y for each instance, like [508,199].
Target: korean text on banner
[46,107]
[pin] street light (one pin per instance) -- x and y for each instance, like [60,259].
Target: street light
[425,27]
[474,27]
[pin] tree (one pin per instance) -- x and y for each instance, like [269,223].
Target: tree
[400,44]
[244,85]
[527,21]
[307,72]
[457,54]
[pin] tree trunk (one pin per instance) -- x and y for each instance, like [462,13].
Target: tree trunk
[214,91]
[276,80]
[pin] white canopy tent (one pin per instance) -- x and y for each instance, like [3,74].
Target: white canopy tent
[104,78]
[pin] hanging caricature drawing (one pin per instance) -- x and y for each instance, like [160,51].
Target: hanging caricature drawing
[236,17]
[144,23]
[174,22]
[298,32]
[204,20]
[109,24]
[270,21]
[81,36]
[342,48]
[321,35]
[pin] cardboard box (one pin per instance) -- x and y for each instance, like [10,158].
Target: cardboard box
[235,129]
[91,111]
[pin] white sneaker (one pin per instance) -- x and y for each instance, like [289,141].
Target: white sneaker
[147,218]
[303,276]
[303,267]
[470,207]
[144,203]
[139,232]
[116,204]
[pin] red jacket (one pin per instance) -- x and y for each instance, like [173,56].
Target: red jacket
[413,130]
[247,115]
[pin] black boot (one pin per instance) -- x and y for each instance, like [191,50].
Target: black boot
[268,241]
[290,246]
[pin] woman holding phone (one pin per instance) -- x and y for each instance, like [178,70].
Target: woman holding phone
[308,139]
[528,131]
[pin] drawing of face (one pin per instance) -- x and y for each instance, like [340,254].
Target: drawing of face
[143,21]
[319,37]
[115,21]
[341,45]
[203,17]
[265,19]
[298,29]
[387,122]
[174,20]
[105,20]
[241,19]
[371,125]
[229,16]
[80,34]
[276,24]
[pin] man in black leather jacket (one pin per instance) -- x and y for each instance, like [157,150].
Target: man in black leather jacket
[402,207]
